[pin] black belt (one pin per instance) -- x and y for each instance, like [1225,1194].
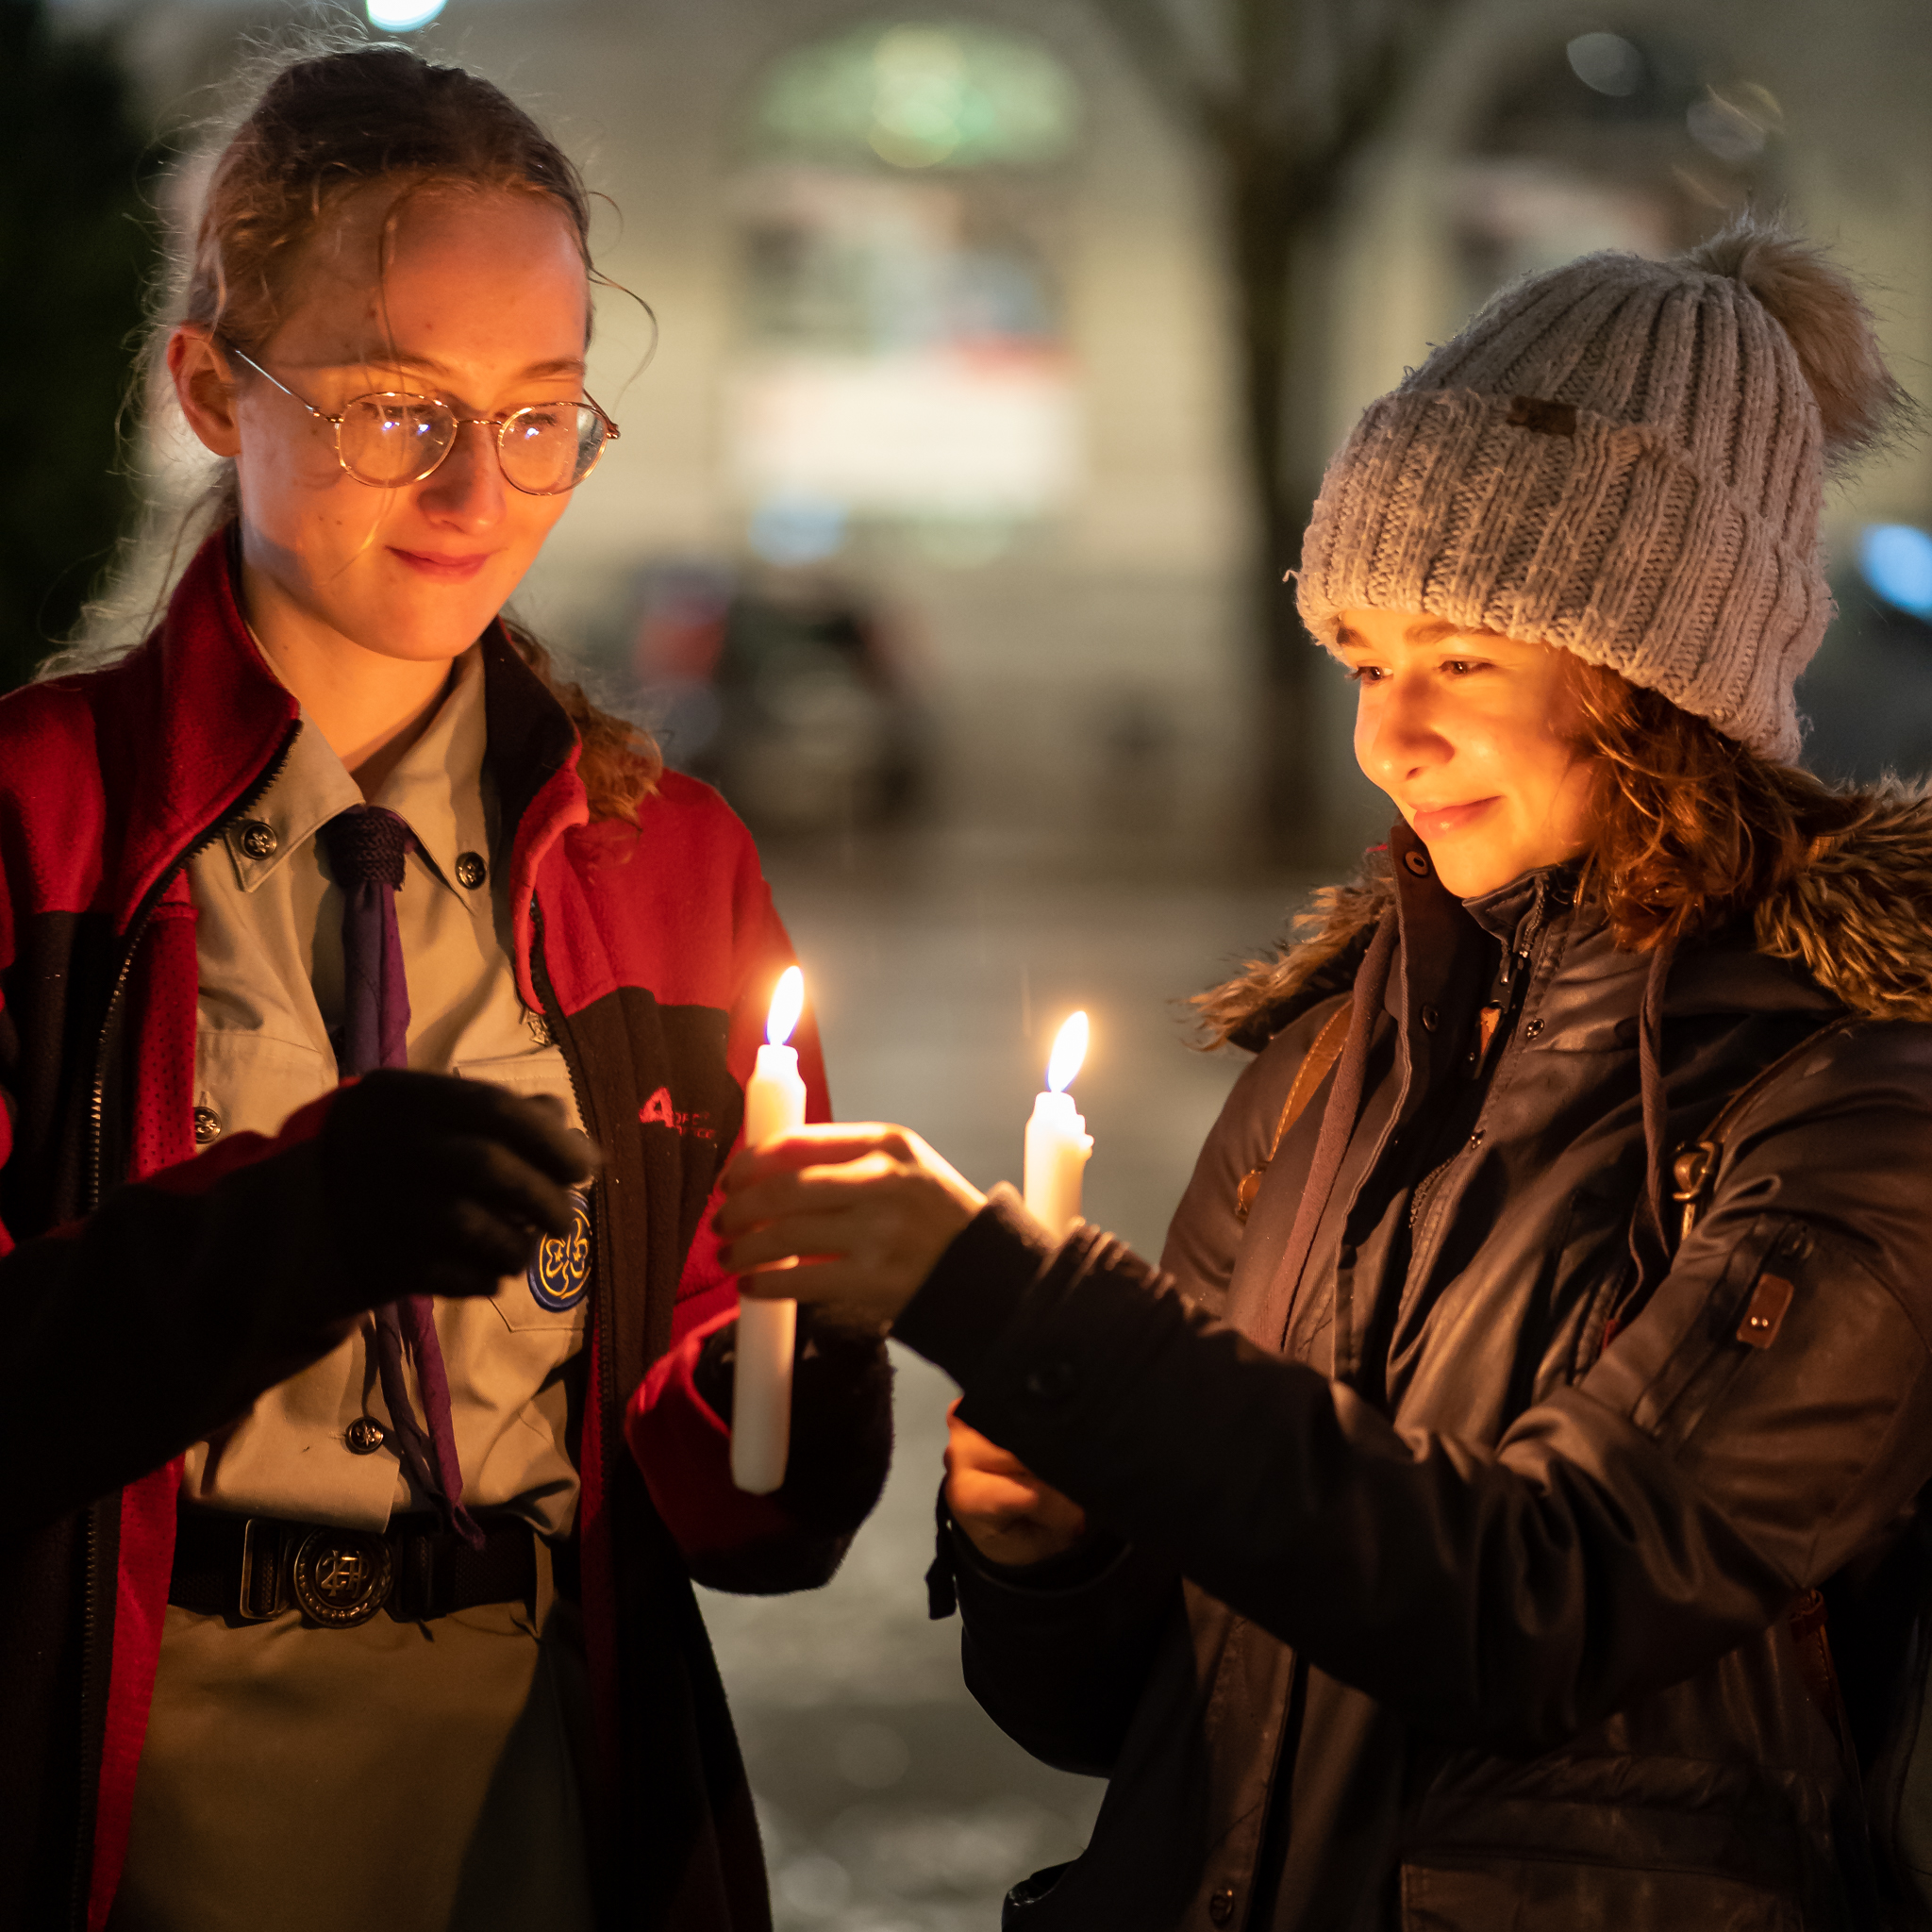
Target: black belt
[253,1568]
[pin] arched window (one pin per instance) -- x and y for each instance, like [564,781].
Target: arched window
[904,363]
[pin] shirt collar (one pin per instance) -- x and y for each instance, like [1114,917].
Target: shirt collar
[436,790]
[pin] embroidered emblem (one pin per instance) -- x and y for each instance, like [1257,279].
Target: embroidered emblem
[560,1275]
[658,1111]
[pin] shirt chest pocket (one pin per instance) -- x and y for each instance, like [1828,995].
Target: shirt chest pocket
[252,1082]
[554,1292]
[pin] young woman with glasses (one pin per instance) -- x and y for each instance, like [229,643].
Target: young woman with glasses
[369,1435]
[1505,1505]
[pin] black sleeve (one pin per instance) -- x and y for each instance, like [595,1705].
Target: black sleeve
[1624,1534]
[143,1329]
[1057,1653]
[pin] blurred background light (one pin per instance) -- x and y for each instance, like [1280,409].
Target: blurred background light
[921,95]
[403,16]
[1896,562]
[797,529]
[1606,63]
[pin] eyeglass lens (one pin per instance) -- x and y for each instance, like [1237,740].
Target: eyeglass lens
[387,440]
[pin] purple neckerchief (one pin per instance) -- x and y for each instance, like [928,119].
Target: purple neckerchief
[366,848]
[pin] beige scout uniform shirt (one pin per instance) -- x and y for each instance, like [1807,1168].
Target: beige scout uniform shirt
[418,1777]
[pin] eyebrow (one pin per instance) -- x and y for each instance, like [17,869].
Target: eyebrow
[1427,630]
[427,365]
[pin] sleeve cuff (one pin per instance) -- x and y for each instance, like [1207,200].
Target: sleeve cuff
[977,1286]
[1093,1557]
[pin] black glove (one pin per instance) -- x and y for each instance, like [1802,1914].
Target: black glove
[432,1185]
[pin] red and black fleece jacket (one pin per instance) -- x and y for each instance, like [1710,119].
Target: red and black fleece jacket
[137,1277]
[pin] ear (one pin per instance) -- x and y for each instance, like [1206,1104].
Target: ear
[205,387]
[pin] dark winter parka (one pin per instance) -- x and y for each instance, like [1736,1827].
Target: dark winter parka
[651,951]
[1448,1584]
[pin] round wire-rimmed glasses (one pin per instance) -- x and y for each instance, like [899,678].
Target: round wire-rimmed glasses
[391,438]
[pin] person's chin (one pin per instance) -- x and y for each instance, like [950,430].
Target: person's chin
[1471,865]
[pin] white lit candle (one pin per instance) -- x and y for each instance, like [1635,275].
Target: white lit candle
[1057,1142]
[761,1387]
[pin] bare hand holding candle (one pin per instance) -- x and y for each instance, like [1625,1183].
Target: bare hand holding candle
[762,1389]
[1057,1142]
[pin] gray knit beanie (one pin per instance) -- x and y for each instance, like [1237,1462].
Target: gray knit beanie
[1626,458]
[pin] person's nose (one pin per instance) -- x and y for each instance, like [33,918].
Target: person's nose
[1401,734]
[467,489]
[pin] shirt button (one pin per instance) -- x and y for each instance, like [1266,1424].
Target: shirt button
[1475,1140]
[1418,863]
[471,871]
[365,1436]
[258,839]
[1532,1029]
[208,1124]
[1432,1017]
[1221,1905]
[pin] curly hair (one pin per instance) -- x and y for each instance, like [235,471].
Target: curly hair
[326,126]
[1688,830]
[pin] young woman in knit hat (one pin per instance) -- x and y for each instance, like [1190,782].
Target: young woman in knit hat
[347,1573]
[1460,1527]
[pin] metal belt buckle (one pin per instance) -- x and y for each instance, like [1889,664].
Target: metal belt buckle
[260,1597]
[342,1578]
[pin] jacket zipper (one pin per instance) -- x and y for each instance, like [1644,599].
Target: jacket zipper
[137,931]
[1517,952]
[91,1585]
[605,1394]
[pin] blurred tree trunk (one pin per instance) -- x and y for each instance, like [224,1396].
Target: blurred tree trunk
[1283,96]
[76,250]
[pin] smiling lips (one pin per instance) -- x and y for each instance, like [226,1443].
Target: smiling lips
[1442,820]
[443,570]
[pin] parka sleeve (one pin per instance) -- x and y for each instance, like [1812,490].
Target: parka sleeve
[1624,1535]
[1059,1653]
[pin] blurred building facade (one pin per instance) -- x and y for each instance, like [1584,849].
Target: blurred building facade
[945,365]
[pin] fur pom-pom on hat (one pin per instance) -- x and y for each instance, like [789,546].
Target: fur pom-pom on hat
[1831,330]
[1624,458]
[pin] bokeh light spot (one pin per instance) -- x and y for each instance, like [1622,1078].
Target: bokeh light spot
[1896,560]
[1606,63]
[403,16]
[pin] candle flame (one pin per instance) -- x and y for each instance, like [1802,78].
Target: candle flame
[788,1002]
[1069,1050]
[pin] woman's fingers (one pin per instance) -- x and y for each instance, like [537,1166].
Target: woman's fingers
[866,1210]
[966,1448]
[995,1498]
[822,1143]
[782,1192]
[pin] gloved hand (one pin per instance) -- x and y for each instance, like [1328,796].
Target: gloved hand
[432,1185]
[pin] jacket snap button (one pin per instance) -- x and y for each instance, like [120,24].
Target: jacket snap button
[208,1124]
[1432,1017]
[1051,1382]
[258,839]
[471,871]
[1418,863]
[1221,1905]
[1475,1140]
[365,1436]
[1532,1029]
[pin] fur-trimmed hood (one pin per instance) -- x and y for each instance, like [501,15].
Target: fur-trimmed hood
[1856,919]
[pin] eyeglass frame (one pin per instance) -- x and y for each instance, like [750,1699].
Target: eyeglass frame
[499,424]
